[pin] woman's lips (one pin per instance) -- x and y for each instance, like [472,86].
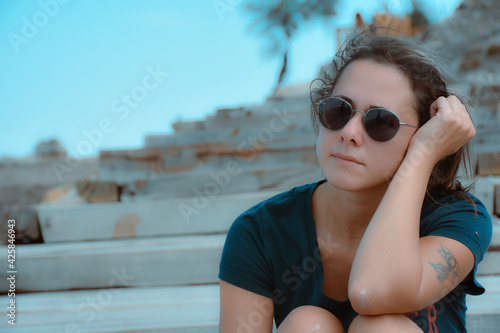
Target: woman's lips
[346,159]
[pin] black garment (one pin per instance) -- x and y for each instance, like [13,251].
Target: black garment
[272,250]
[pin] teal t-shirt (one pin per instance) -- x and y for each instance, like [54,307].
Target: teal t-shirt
[272,250]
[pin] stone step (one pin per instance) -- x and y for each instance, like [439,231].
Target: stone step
[159,162]
[204,151]
[300,90]
[281,108]
[490,264]
[484,190]
[44,172]
[487,139]
[178,309]
[183,309]
[262,129]
[488,164]
[144,204]
[145,262]
[491,261]
[223,181]
[265,115]
[156,162]
[483,312]
[231,179]
[207,213]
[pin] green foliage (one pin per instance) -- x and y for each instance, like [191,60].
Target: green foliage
[279,20]
[418,17]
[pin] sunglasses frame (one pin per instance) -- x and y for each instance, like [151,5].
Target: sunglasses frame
[353,110]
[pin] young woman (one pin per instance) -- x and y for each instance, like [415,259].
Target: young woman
[389,241]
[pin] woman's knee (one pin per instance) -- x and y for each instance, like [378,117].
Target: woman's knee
[384,324]
[309,318]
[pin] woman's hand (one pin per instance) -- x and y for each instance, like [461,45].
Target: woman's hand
[449,128]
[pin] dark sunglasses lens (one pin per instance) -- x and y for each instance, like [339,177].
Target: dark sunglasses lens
[334,113]
[381,125]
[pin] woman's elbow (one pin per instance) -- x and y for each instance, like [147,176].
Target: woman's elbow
[362,299]
[377,300]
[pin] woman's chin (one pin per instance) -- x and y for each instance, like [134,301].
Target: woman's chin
[345,184]
[348,184]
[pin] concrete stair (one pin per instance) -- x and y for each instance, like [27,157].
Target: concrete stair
[137,262]
[204,214]
[156,284]
[176,309]
[182,309]
[149,262]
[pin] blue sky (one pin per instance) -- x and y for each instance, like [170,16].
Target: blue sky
[72,69]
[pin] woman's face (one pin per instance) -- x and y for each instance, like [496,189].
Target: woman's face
[366,84]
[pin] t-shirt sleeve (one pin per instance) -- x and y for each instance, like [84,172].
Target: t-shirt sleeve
[460,221]
[245,262]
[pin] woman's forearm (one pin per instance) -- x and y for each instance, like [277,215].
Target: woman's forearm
[387,269]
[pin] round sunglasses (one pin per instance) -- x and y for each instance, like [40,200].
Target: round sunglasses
[380,124]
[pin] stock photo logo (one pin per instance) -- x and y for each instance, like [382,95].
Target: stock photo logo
[89,309]
[121,107]
[31,26]
[249,148]
[224,6]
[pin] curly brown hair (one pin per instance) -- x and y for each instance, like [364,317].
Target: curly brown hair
[423,69]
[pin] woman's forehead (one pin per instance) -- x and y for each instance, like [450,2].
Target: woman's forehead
[366,83]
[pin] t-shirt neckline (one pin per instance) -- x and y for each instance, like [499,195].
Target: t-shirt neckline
[313,244]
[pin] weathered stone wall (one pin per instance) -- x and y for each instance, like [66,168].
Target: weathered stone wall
[25,181]
[469,40]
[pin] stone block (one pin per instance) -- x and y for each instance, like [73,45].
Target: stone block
[488,164]
[158,261]
[188,125]
[97,191]
[206,213]
[27,229]
[496,205]
[124,166]
[178,309]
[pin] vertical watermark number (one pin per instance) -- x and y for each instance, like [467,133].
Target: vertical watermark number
[11,271]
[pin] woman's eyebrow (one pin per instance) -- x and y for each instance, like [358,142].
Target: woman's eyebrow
[347,99]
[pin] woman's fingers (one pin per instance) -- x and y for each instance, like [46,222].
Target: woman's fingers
[461,119]
[450,127]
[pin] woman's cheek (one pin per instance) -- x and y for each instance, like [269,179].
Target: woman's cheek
[390,160]
[321,145]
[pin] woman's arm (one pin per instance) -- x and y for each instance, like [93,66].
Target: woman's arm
[244,311]
[394,271]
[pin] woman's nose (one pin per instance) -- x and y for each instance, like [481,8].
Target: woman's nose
[354,129]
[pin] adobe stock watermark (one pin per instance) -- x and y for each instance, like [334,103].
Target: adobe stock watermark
[121,108]
[248,148]
[93,305]
[221,7]
[32,25]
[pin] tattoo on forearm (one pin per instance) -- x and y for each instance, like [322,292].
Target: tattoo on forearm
[451,266]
